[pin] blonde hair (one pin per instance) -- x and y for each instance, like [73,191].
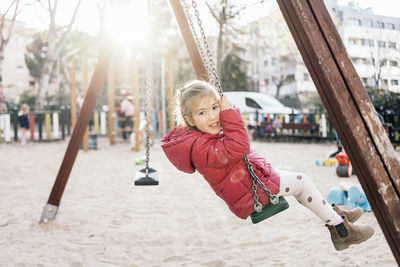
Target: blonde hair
[188,96]
[25,108]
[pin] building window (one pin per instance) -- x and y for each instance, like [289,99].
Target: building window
[266,63]
[273,61]
[368,61]
[352,41]
[394,82]
[382,62]
[266,81]
[385,82]
[290,78]
[381,43]
[368,23]
[393,63]
[32,83]
[20,69]
[365,81]
[380,25]
[390,26]
[392,45]
[354,22]
[367,42]
[306,76]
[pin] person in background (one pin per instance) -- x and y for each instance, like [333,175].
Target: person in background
[127,111]
[23,116]
[3,105]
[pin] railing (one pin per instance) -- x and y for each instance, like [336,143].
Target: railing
[46,125]
[306,126]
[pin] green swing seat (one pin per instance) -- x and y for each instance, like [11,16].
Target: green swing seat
[269,210]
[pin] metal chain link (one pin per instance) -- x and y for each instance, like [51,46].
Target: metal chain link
[196,37]
[147,113]
[212,73]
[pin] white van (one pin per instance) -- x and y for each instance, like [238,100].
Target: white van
[249,102]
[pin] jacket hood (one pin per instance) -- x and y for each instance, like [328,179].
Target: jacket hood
[177,146]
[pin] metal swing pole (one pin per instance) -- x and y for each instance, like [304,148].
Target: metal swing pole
[51,207]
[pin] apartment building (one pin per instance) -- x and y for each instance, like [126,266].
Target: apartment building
[372,42]
[15,77]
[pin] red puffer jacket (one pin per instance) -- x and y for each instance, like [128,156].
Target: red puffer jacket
[220,159]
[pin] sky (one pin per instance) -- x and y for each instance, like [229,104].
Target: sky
[34,16]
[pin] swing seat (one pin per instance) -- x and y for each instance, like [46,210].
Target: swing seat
[269,210]
[150,179]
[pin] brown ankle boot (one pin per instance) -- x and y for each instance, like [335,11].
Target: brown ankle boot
[351,215]
[346,234]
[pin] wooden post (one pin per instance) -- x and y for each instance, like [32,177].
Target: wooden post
[85,88]
[136,99]
[191,45]
[350,109]
[111,102]
[73,93]
[76,137]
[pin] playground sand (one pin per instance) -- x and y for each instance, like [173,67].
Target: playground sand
[104,220]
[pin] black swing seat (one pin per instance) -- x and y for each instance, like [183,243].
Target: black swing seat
[150,179]
[269,210]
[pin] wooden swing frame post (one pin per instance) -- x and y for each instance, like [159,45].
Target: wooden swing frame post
[136,100]
[76,137]
[111,102]
[350,109]
[73,92]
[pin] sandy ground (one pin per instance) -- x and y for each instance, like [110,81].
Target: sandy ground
[104,220]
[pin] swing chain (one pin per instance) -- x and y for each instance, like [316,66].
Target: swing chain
[213,73]
[254,179]
[203,57]
[147,114]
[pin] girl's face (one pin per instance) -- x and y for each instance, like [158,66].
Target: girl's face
[205,115]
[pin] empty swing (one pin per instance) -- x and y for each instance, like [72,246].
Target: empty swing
[147,175]
[277,204]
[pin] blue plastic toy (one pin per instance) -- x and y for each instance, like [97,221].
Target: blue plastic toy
[357,198]
[351,197]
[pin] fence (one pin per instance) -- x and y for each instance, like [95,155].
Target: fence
[47,125]
[306,126]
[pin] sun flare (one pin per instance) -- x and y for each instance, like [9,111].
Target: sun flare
[127,24]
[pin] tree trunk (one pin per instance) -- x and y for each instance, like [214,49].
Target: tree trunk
[1,65]
[43,88]
[221,23]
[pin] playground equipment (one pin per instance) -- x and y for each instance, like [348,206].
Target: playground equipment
[342,94]
[147,176]
[349,195]
[350,110]
[344,168]
[326,162]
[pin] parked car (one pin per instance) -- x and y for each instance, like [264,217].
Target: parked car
[249,102]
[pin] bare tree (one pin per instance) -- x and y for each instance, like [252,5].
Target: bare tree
[56,43]
[6,28]
[224,12]
[382,50]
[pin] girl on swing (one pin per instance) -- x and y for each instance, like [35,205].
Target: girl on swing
[214,141]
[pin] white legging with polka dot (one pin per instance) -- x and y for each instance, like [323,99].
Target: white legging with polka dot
[304,190]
